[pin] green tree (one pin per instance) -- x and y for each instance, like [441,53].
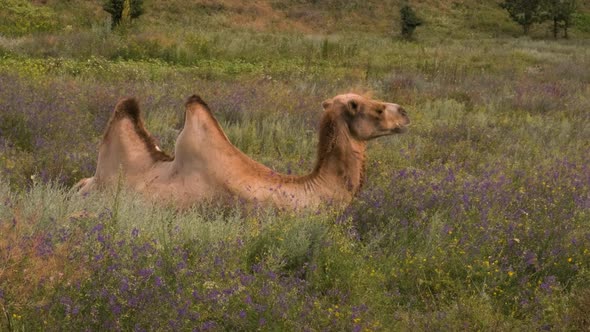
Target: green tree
[409,21]
[524,12]
[560,12]
[123,10]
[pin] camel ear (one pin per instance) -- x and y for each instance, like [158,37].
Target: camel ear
[352,106]
[326,104]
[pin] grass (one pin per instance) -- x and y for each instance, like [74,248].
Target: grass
[477,219]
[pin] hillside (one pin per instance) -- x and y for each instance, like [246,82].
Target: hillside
[448,18]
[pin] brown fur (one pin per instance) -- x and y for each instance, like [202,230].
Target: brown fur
[129,107]
[208,167]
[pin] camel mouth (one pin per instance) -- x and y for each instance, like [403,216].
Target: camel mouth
[402,127]
[400,130]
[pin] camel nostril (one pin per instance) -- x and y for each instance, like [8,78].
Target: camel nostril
[402,111]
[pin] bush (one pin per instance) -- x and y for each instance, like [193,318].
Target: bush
[123,10]
[409,21]
[582,21]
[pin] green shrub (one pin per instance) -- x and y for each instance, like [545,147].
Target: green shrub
[409,21]
[582,21]
[123,10]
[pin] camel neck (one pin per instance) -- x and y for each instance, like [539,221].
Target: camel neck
[341,158]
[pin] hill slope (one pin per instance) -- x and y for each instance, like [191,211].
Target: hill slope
[448,18]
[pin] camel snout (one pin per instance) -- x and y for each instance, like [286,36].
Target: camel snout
[402,112]
[405,119]
[399,113]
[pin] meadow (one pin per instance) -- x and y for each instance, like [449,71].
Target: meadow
[476,219]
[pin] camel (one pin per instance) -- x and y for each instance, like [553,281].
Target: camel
[207,167]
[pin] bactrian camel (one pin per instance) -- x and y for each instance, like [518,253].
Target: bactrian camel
[207,167]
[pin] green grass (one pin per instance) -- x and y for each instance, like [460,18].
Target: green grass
[476,219]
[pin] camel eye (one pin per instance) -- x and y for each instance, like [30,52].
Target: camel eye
[379,111]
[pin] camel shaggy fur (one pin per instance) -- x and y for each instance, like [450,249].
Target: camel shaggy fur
[208,167]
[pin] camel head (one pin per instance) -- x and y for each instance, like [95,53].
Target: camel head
[366,118]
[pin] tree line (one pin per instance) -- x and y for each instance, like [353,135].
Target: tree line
[524,12]
[528,12]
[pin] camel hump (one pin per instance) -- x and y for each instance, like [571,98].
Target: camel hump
[196,100]
[126,144]
[128,107]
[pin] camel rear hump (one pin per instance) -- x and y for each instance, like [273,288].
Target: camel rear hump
[126,145]
[128,107]
[196,99]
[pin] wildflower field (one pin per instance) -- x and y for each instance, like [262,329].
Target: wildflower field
[477,219]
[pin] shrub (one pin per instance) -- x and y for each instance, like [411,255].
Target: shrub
[123,10]
[582,21]
[410,21]
[524,12]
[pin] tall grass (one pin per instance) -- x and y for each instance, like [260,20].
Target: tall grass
[476,219]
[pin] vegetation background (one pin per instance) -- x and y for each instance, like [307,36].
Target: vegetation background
[477,219]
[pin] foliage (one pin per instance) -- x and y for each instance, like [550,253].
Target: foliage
[123,10]
[409,21]
[524,12]
[560,12]
[581,21]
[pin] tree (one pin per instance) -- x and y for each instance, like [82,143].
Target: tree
[567,13]
[123,10]
[524,12]
[409,21]
[560,12]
